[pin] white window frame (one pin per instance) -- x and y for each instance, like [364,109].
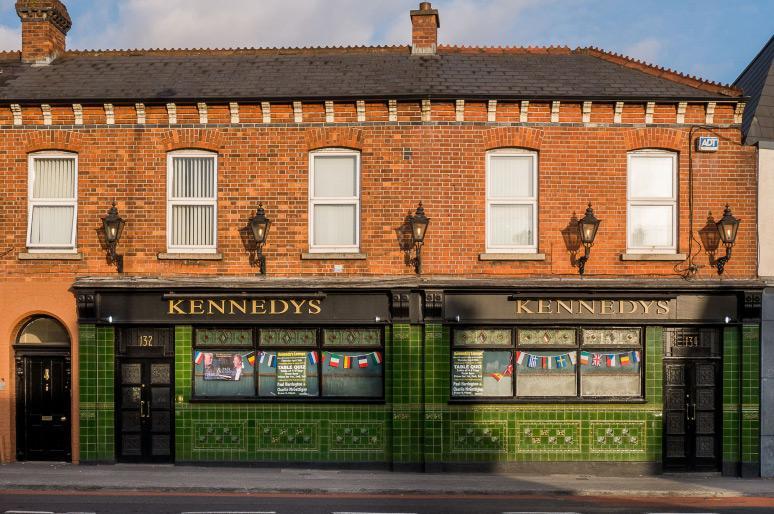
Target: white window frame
[516,200]
[172,201]
[632,200]
[347,200]
[51,202]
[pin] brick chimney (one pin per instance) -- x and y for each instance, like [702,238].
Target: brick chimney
[44,26]
[424,29]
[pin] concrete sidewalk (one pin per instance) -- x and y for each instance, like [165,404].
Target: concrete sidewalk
[58,476]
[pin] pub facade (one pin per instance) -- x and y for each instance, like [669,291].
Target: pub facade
[420,273]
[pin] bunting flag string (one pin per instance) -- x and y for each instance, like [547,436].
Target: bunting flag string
[365,360]
[562,361]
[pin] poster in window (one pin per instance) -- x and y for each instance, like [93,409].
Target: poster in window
[224,373]
[481,373]
[288,374]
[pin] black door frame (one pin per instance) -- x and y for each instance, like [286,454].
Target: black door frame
[21,353]
[690,461]
[146,360]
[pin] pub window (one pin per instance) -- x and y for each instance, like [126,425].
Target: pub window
[52,201]
[652,202]
[192,201]
[289,363]
[334,201]
[511,201]
[546,363]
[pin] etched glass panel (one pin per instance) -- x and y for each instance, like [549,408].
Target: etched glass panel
[546,374]
[352,337]
[491,337]
[288,337]
[160,373]
[546,337]
[210,337]
[130,397]
[160,397]
[352,374]
[131,373]
[611,337]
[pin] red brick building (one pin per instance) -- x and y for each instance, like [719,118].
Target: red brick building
[504,147]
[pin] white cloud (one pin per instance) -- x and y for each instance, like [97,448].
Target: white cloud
[10,38]
[648,49]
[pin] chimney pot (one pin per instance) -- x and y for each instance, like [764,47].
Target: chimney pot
[424,29]
[45,24]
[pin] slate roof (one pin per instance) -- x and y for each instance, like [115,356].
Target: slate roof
[357,73]
[757,82]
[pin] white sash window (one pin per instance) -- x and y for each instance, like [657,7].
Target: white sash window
[652,202]
[53,201]
[192,202]
[511,201]
[334,201]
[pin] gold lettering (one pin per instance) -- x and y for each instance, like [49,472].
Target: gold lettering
[560,304]
[632,304]
[607,306]
[259,306]
[521,307]
[297,305]
[213,304]
[273,309]
[174,307]
[544,307]
[647,305]
[662,307]
[239,306]
[314,307]
[196,306]
[585,305]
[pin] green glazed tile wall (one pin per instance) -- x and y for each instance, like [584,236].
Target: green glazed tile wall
[731,395]
[282,432]
[96,376]
[751,375]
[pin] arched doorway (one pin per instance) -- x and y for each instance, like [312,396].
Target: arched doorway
[43,381]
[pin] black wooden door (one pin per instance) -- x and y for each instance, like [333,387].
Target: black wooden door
[44,415]
[144,410]
[692,427]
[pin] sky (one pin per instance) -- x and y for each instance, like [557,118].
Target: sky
[712,39]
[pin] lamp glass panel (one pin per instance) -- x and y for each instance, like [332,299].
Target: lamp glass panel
[511,225]
[651,177]
[334,225]
[651,226]
[511,177]
[335,176]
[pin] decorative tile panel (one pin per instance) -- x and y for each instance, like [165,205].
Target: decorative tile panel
[473,437]
[549,436]
[347,437]
[288,337]
[220,436]
[352,337]
[495,337]
[288,437]
[619,436]
[611,337]
[209,337]
[545,337]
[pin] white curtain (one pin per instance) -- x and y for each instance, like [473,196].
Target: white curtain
[51,225]
[334,225]
[54,178]
[193,225]
[193,177]
[335,177]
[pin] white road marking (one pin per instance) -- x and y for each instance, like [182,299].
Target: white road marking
[373,513]
[230,512]
[538,512]
[28,512]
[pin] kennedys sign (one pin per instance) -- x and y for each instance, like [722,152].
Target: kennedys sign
[707,144]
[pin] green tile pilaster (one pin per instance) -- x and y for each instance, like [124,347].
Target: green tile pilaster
[436,390]
[87,378]
[407,395]
[97,402]
[750,405]
[731,400]
[654,382]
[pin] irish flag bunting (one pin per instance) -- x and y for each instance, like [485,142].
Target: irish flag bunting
[377,357]
[334,361]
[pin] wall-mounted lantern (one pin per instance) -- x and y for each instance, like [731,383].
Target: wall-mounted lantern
[113,227]
[587,230]
[418,223]
[727,228]
[259,226]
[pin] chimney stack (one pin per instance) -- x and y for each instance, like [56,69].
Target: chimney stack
[424,29]
[45,24]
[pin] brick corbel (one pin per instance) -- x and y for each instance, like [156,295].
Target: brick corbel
[668,139]
[195,139]
[54,140]
[340,137]
[521,137]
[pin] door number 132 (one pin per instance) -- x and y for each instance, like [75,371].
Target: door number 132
[146,340]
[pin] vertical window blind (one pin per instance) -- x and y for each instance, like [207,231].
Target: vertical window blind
[52,203]
[192,202]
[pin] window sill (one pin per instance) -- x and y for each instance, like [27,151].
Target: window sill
[333,256]
[190,256]
[653,256]
[50,256]
[511,256]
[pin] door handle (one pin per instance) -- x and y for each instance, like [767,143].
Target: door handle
[63,418]
[142,408]
[693,412]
